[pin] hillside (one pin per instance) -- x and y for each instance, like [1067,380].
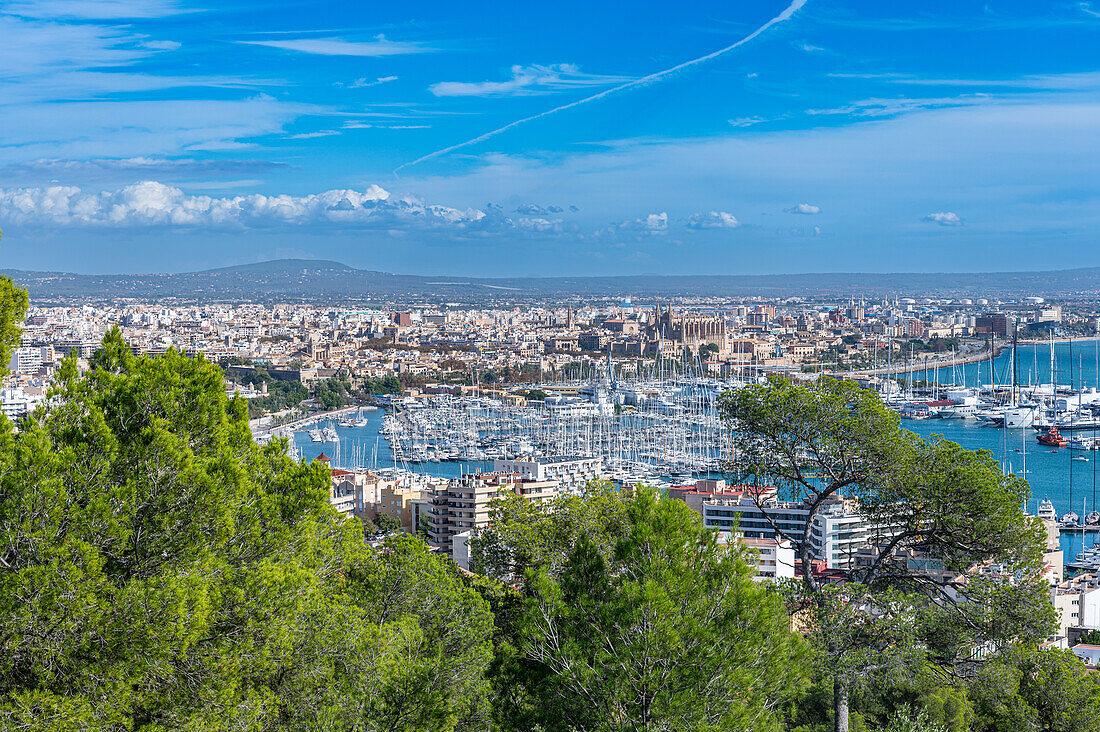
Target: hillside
[319,280]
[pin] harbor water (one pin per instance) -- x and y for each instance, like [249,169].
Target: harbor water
[1071,485]
[366,447]
[1075,364]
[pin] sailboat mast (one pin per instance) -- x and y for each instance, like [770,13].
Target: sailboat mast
[1015,372]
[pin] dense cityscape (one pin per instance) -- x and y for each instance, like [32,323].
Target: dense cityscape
[470,403]
[506,367]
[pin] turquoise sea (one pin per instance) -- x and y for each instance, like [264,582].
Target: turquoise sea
[1069,484]
[1075,364]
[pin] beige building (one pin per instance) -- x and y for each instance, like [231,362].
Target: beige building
[400,502]
[355,493]
[463,503]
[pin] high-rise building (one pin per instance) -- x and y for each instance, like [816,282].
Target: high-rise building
[837,535]
[462,504]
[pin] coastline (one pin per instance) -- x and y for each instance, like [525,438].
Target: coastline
[922,365]
[266,432]
[982,355]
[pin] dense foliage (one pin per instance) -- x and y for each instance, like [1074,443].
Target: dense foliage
[159,570]
[634,618]
[958,565]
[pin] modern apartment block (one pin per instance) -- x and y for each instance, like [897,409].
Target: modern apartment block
[463,503]
[569,472]
[837,534]
[400,502]
[1077,602]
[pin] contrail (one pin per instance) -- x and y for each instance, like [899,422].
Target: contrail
[637,83]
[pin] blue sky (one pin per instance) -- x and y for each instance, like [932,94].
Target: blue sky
[578,138]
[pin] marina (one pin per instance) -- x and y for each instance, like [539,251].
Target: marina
[665,429]
[1035,410]
[655,431]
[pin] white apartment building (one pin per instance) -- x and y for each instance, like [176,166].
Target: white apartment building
[569,472]
[29,360]
[17,403]
[460,549]
[774,557]
[837,534]
[1077,602]
[462,504]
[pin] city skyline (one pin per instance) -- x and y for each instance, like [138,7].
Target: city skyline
[767,138]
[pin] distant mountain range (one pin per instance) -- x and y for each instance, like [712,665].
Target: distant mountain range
[319,280]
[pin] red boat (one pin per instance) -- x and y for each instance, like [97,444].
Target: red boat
[1052,438]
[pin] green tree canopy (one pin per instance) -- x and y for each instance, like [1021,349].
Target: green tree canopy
[159,570]
[668,630]
[1036,689]
[13,309]
[523,535]
[955,572]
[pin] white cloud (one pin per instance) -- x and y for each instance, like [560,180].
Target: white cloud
[746,121]
[1088,9]
[804,208]
[653,224]
[162,45]
[356,125]
[364,82]
[312,135]
[713,220]
[62,83]
[944,218]
[888,107]
[333,46]
[1073,81]
[97,169]
[538,223]
[150,203]
[33,47]
[128,128]
[534,209]
[525,80]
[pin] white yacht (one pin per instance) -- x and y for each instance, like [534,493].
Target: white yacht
[1046,510]
[959,411]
